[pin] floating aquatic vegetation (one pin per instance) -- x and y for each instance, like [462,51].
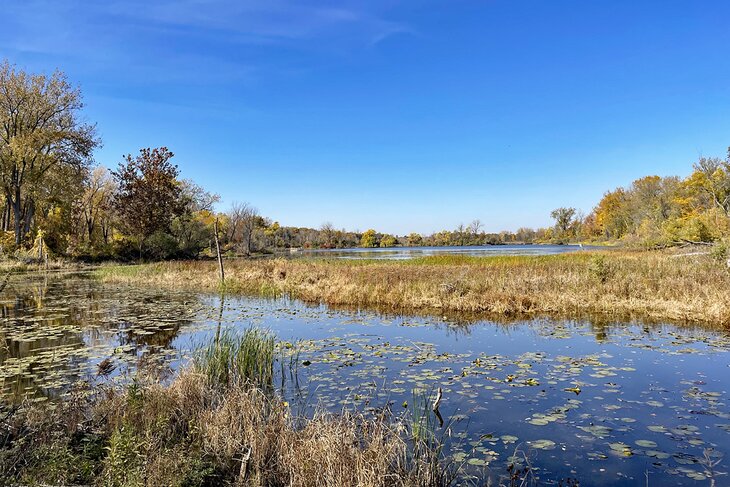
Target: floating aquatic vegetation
[625,396]
[542,444]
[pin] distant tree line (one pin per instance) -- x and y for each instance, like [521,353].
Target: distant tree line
[657,211]
[55,198]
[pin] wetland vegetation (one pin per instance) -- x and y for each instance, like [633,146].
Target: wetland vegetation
[679,287]
[217,422]
[144,384]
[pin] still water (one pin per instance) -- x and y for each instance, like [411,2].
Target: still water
[602,402]
[414,252]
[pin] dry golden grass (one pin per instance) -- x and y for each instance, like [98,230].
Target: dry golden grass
[195,433]
[648,285]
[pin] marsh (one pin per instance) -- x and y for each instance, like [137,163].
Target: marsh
[593,398]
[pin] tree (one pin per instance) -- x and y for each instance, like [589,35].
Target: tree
[415,239]
[149,193]
[41,135]
[563,219]
[369,239]
[273,235]
[327,232]
[243,220]
[54,205]
[388,241]
[96,203]
[711,178]
[194,226]
[461,232]
[612,215]
[474,228]
[195,198]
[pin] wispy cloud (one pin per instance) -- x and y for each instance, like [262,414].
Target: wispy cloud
[269,19]
[174,44]
[50,24]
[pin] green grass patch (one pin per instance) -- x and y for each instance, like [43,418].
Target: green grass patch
[238,358]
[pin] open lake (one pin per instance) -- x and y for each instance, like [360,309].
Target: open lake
[602,402]
[413,252]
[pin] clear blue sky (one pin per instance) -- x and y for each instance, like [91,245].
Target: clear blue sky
[399,115]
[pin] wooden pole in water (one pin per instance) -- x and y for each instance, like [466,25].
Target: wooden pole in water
[218,251]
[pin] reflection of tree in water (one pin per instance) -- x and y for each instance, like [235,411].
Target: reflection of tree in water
[51,325]
[40,343]
[150,323]
[604,328]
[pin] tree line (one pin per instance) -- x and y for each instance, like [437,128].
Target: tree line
[656,211]
[55,198]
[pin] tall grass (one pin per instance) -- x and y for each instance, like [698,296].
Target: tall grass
[210,426]
[615,284]
[426,445]
[238,359]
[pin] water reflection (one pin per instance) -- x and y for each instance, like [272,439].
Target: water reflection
[56,328]
[604,399]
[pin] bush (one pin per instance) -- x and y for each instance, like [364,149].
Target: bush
[599,268]
[721,251]
[125,249]
[160,246]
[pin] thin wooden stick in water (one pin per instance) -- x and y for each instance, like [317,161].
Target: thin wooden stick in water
[218,251]
[437,401]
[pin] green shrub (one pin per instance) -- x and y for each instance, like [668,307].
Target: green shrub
[599,268]
[721,251]
[123,463]
[160,246]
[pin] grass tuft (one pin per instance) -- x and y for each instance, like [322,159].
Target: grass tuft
[238,359]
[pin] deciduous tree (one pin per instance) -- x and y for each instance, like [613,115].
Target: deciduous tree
[563,219]
[369,239]
[41,136]
[149,193]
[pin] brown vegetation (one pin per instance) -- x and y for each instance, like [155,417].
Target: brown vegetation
[207,428]
[651,285]
[192,434]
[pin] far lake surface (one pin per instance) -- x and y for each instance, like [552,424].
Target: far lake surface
[602,402]
[413,252]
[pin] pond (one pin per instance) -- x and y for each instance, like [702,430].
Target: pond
[601,402]
[413,252]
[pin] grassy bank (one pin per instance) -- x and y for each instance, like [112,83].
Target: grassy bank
[218,423]
[652,285]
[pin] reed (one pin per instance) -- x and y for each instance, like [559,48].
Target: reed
[241,359]
[623,284]
[207,427]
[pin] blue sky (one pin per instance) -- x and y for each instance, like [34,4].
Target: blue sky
[398,115]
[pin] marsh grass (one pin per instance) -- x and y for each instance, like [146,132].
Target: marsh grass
[612,283]
[238,358]
[19,265]
[427,446]
[207,427]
